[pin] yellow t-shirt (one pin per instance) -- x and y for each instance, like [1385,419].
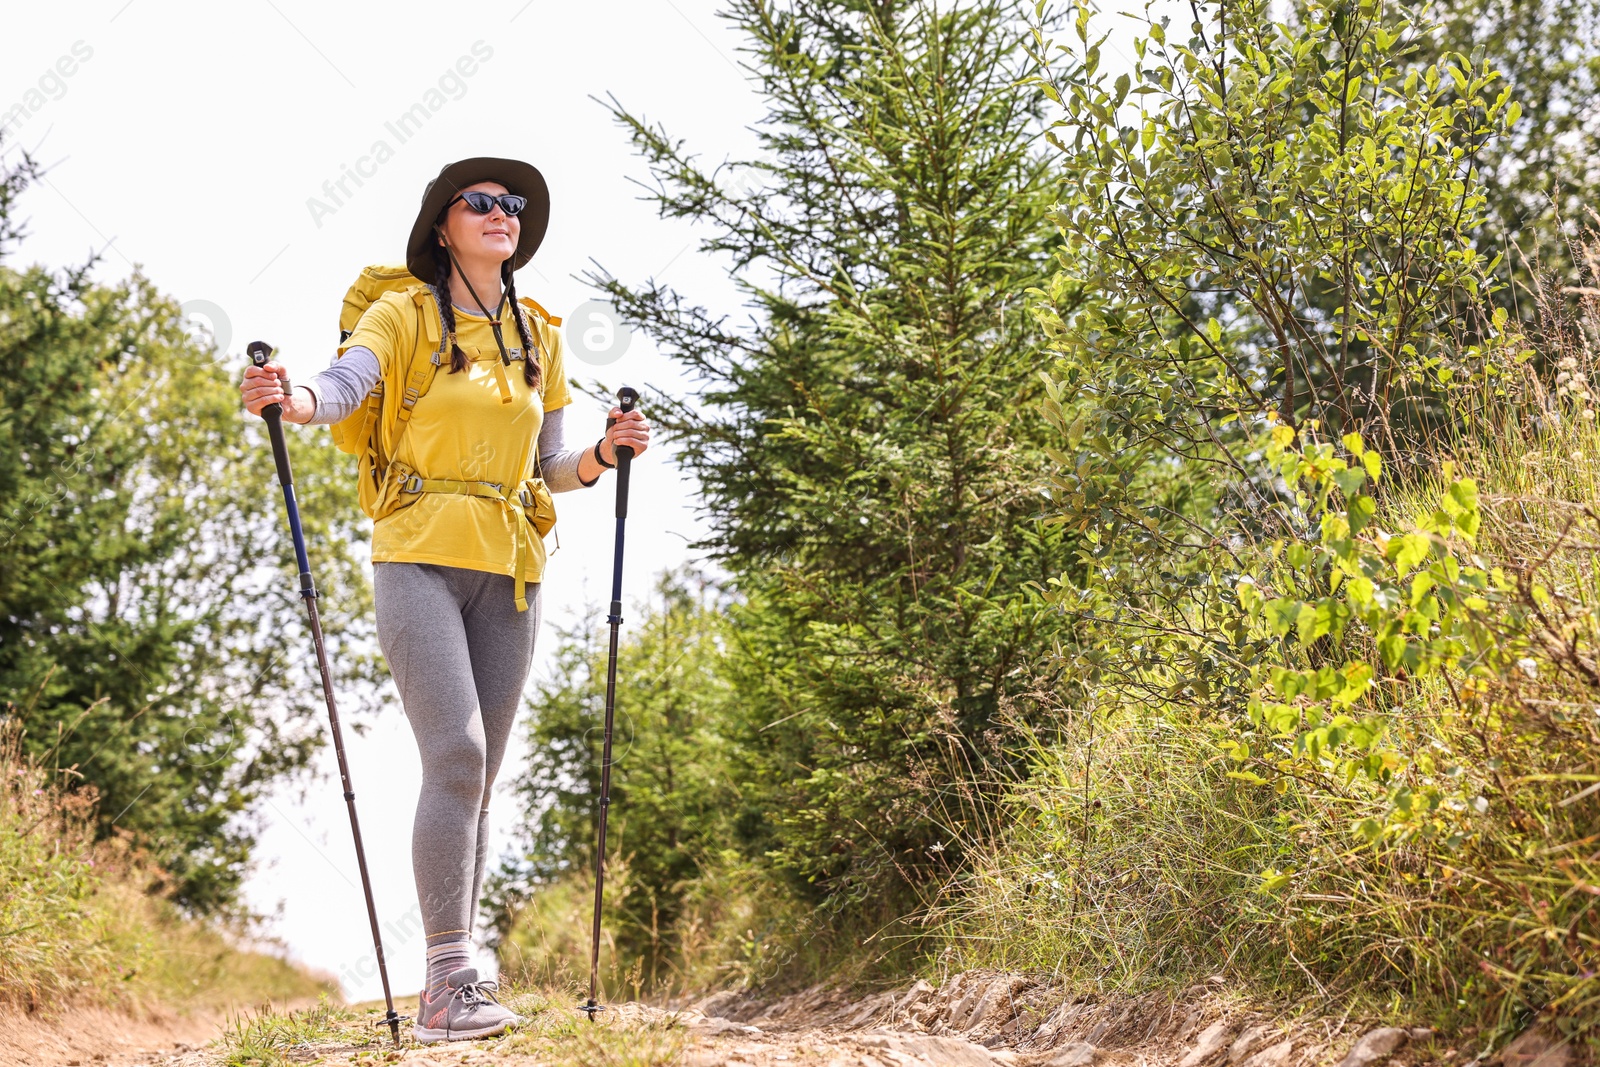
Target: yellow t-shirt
[462,431]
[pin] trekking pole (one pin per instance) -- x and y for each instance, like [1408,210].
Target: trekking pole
[626,397]
[260,353]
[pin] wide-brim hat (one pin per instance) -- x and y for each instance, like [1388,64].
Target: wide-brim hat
[518,177]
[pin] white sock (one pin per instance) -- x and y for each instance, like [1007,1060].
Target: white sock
[444,959]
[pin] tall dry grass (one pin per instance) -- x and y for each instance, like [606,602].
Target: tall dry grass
[83,922]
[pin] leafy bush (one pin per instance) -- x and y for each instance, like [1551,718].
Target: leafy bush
[1273,218]
[1333,727]
[1399,798]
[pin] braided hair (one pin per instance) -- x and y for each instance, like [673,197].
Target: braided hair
[532,372]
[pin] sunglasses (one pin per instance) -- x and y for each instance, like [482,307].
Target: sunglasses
[483,203]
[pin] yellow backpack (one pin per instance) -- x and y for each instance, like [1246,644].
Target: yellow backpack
[372,433]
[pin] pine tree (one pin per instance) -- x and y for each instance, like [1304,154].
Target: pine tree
[868,444]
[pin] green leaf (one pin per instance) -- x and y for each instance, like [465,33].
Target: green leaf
[1350,480]
[1272,880]
[1373,464]
[1406,551]
[1360,512]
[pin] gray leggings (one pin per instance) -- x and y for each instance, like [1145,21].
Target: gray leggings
[459,651]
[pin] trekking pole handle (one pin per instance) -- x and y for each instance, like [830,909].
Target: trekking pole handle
[261,355]
[627,397]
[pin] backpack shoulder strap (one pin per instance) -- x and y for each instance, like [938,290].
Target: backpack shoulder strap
[419,379]
[419,375]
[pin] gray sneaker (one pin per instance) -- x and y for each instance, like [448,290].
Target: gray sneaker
[466,1009]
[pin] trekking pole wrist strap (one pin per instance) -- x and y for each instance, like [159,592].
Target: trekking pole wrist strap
[601,459]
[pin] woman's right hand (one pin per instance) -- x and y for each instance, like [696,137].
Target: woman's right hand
[264,385]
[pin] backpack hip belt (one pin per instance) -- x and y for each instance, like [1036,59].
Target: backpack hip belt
[527,504]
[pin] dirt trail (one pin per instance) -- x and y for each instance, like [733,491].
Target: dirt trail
[90,1037]
[972,1020]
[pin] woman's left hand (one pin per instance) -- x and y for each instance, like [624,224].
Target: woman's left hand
[630,429]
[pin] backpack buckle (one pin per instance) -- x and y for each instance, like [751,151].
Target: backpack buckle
[526,498]
[411,484]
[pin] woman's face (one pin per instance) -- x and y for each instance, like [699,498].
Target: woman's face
[480,239]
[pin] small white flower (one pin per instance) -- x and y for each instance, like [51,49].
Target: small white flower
[1528,666]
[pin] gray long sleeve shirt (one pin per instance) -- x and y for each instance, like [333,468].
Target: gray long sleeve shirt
[341,389]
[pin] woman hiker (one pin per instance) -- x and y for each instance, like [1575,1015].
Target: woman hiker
[456,560]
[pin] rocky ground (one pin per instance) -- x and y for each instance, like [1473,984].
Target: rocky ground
[972,1020]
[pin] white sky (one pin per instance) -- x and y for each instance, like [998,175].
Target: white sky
[189,141]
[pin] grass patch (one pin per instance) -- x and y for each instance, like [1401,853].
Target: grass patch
[558,1034]
[737,929]
[269,1038]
